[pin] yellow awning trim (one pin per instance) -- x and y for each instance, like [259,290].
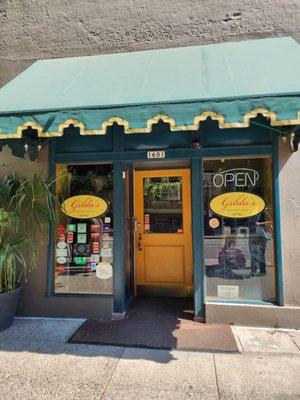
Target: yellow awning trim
[152,121]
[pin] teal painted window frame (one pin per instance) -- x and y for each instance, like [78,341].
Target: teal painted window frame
[200,290]
[117,193]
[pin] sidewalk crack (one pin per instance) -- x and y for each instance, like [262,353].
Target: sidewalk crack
[216,376]
[32,330]
[111,375]
[293,340]
[240,343]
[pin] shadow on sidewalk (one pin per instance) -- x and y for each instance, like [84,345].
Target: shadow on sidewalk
[151,323]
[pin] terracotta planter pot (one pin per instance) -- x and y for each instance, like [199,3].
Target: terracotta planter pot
[8,306]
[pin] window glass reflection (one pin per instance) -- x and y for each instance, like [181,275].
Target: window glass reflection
[84,245]
[163,205]
[238,228]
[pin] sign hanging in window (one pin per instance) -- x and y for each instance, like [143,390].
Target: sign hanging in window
[237,205]
[84,206]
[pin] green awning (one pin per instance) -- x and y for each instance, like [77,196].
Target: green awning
[229,82]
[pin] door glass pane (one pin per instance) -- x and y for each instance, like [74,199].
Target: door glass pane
[239,230]
[163,205]
[84,237]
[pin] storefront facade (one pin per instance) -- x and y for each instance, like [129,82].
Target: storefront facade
[167,230]
[174,199]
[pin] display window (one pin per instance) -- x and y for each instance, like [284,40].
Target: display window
[84,232]
[239,229]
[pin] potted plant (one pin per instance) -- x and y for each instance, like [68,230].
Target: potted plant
[26,205]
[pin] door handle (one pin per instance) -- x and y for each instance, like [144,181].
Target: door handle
[140,238]
[135,225]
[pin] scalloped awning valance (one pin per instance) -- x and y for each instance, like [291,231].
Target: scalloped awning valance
[228,82]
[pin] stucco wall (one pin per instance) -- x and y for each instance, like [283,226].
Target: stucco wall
[20,166]
[290,217]
[34,29]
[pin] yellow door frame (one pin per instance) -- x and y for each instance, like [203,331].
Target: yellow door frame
[173,247]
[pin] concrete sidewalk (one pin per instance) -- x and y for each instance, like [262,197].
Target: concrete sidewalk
[37,363]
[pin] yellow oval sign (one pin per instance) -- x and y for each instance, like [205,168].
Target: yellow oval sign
[84,206]
[237,205]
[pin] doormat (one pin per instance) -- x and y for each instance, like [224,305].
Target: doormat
[157,324]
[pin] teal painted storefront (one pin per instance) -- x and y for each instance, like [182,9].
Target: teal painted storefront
[125,150]
[221,101]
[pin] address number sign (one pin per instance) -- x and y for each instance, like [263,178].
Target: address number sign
[156,154]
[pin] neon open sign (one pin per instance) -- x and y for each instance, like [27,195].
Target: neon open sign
[239,177]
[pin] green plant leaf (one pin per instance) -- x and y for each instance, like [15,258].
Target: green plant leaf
[26,206]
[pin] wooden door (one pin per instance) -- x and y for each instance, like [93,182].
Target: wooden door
[163,238]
